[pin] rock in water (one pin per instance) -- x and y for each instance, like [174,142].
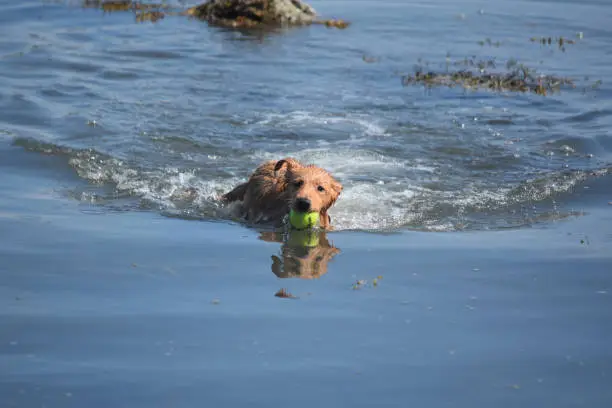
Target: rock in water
[255,13]
[227,13]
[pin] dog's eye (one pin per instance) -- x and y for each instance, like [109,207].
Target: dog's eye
[320,188]
[298,183]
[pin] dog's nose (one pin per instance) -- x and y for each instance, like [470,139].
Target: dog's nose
[302,204]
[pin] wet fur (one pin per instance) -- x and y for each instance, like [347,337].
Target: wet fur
[274,187]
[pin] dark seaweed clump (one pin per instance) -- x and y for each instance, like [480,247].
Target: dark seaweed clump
[143,11]
[560,42]
[517,78]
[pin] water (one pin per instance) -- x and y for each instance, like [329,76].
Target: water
[145,111]
[118,288]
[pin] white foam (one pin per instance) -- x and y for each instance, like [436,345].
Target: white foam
[371,207]
[360,124]
[379,193]
[164,187]
[346,163]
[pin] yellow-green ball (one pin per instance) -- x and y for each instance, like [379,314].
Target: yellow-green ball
[300,220]
[306,238]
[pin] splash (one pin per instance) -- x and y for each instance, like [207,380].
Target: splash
[402,194]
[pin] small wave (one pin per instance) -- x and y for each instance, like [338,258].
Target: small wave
[589,116]
[402,194]
[162,188]
[356,123]
[358,164]
[383,207]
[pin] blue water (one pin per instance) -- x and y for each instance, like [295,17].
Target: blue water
[145,111]
[485,214]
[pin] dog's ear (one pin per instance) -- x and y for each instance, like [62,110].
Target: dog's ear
[280,164]
[289,163]
[336,188]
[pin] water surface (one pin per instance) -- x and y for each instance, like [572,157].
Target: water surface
[145,111]
[117,289]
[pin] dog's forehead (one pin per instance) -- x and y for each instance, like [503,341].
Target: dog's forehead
[311,173]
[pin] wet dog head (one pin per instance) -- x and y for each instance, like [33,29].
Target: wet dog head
[308,188]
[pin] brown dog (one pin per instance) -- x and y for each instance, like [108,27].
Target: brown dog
[297,260]
[275,187]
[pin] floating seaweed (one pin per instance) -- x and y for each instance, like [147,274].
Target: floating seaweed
[472,62]
[282,293]
[481,64]
[110,6]
[361,283]
[518,78]
[369,60]
[490,43]
[152,16]
[152,12]
[561,42]
[552,40]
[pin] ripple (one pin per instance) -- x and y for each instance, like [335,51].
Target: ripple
[147,54]
[500,121]
[590,116]
[71,65]
[22,110]
[118,75]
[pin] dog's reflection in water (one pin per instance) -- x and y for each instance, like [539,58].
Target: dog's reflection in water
[303,254]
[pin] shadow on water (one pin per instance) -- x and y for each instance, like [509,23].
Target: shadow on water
[303,254]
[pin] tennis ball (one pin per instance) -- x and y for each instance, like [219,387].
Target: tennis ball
[301,220]
[306,238]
